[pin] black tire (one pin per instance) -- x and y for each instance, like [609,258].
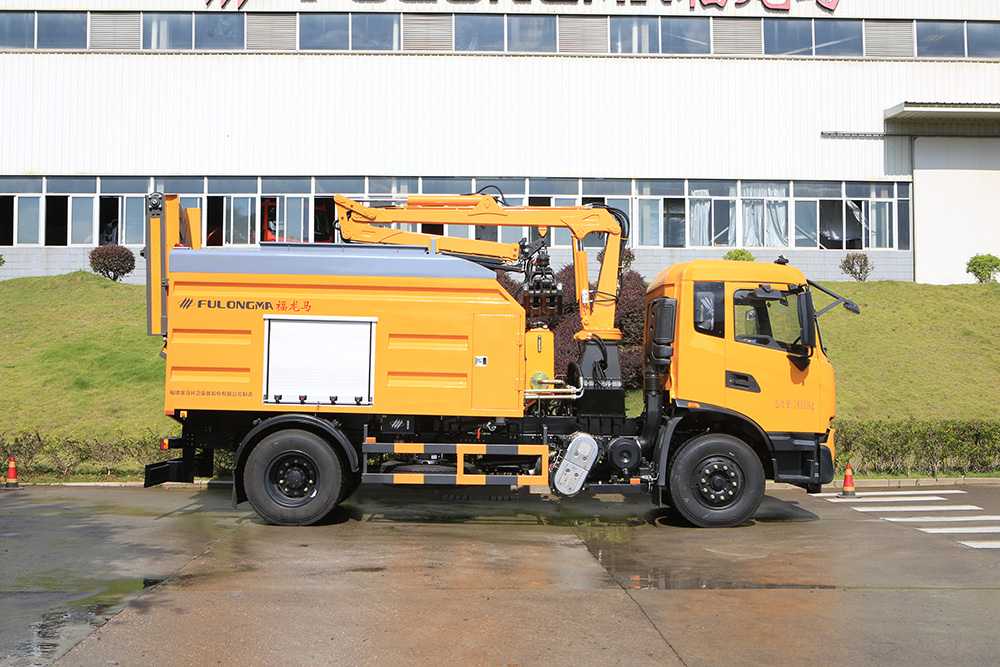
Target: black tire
[293,478]
[716,481]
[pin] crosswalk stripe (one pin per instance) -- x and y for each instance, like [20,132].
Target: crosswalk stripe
[982,545]
[904,499]
[965,530]
[892,493]
[931,519]
[919,508]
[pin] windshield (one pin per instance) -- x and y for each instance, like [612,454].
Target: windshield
[772,321]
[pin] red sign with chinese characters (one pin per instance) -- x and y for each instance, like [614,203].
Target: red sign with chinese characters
[770,4]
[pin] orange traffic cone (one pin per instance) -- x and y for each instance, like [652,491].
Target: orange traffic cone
[11,476]
[848,491]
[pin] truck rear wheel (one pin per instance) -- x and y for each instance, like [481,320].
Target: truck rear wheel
[716,481]
[293,478]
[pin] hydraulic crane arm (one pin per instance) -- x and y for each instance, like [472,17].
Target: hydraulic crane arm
[597,308]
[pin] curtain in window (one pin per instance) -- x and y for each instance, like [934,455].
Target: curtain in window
[701,222]
[776,224]
[753,222]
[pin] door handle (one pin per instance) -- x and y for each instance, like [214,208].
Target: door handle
[742,381]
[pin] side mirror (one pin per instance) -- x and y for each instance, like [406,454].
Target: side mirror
[807,319]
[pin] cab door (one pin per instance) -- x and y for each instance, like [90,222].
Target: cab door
[769,375]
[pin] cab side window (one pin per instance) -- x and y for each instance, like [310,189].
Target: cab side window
[770,322]
[710,308]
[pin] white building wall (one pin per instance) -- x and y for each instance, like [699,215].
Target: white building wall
[404,114]
[956,184]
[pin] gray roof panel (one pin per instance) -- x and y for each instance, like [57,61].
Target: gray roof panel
[322,259]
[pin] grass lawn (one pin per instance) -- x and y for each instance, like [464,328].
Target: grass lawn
[920,351]
[76,361]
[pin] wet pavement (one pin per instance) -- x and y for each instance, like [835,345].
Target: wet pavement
[495,578]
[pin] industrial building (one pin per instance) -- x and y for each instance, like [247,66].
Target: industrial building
[803,128]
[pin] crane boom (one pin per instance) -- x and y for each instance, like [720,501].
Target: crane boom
[597,307]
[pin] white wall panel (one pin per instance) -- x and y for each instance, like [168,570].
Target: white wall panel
[956,187]
[625,117]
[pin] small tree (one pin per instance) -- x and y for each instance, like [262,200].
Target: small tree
[112,261]
[739,255]
[857,265]
[626,258]
[984,267]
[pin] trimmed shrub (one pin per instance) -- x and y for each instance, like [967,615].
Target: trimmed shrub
[857,265]
[630,315]
[112,261]
[739,255]
[927,448]
[1,260]
[984,267]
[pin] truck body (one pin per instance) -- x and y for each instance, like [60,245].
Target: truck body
[402,360]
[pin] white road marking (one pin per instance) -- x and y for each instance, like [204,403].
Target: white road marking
[931,519]
[965,530]
[920,508]
[982,545]
[892,493]
[896,499]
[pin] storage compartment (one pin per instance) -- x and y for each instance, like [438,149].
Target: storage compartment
[326,361]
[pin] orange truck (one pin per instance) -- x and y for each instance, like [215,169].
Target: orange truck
[396,357]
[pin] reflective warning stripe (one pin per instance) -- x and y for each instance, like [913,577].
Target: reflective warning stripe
[459,448]
[460,451]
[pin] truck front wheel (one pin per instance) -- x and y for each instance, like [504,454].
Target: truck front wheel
[716,481]
[293,478]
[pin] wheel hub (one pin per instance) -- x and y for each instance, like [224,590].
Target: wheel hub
[718,481]
[292,478]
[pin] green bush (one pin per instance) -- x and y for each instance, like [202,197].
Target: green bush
[857,265]
[1,260]
[739,255]
[915,447]
[984,267]
[112,261]
[36,455]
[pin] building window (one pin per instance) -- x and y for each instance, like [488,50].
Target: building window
[231,220]
[284,219]
[218,31]
[788,37]
[166,31]
[324,32]
[685,35]
[531,33]
[765,214]
[62,30]
[121,220]
[28,220]
[944,39]
[474,32]
[839,37]
[635,34]
[375,32]
[713,213]
[17,30]
[984,39]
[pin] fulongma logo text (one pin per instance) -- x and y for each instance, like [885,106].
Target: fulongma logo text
[226,305]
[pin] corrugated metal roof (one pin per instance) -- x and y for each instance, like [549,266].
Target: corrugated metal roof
[944,112]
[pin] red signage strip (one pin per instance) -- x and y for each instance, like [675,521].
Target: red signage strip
[770,4]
